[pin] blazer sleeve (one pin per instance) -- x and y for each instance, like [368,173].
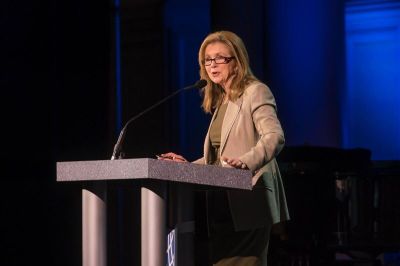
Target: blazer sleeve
[271,137]
[199,161]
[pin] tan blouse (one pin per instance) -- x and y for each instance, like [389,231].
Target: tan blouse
[215,132]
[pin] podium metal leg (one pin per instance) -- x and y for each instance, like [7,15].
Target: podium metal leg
[94,221]
[153,238]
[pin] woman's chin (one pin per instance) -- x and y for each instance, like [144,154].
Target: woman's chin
[216,80]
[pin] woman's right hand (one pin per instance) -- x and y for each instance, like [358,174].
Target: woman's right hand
[170,156]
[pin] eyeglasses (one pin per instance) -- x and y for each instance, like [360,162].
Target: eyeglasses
[218,60]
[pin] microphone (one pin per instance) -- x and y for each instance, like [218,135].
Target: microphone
[117,147]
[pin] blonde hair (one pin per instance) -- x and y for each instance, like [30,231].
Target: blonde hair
[213,93]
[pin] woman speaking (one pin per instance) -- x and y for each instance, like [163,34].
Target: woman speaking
[244,133]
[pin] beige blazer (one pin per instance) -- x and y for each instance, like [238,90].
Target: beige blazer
[252,132]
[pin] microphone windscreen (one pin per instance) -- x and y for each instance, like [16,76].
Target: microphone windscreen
[201,83]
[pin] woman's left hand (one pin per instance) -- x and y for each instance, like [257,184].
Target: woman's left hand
[234,162]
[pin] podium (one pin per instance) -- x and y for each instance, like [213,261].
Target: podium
[153,176]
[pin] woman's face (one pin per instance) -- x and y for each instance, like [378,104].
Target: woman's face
[219,64]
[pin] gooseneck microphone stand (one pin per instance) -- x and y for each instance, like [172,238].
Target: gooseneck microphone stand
[117,154]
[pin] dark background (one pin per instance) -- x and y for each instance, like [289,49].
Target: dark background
[73,72]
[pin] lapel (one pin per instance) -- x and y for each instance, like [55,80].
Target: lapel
[231,115]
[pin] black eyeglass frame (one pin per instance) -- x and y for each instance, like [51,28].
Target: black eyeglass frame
[208,61]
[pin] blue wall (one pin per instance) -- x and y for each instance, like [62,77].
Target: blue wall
[305,57]
[371,103]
